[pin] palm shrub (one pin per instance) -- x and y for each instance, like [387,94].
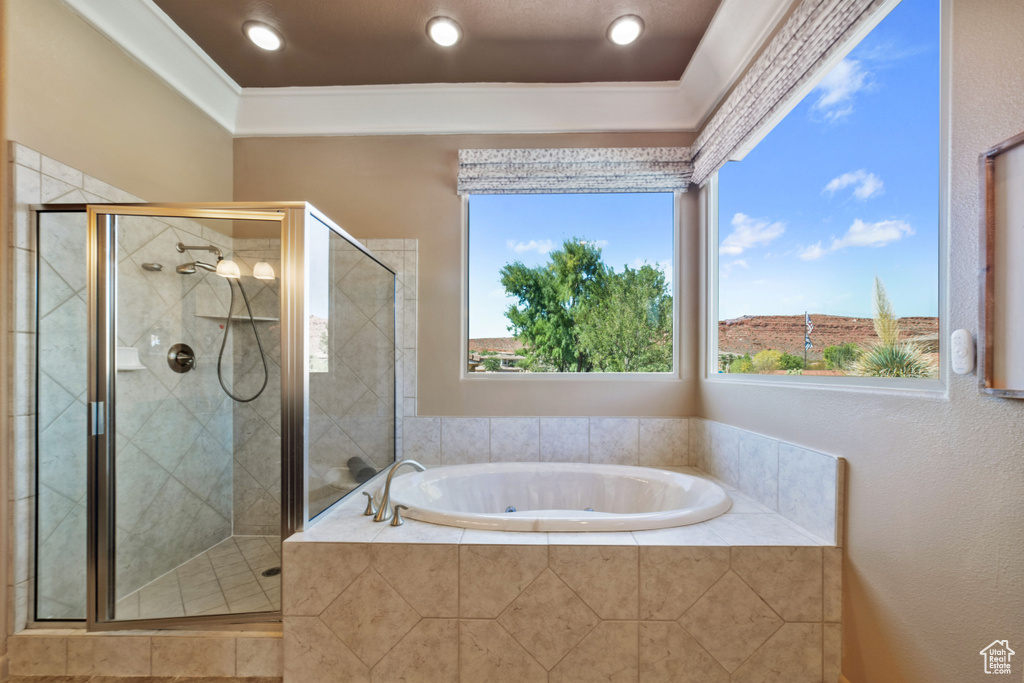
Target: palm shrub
[888,357]
[899,360]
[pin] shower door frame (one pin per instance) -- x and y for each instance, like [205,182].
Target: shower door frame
[102,307]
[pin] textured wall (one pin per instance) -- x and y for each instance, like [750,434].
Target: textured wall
[75,96]
[404,186]
[935,562]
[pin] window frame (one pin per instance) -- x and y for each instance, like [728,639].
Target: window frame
[927,388]
[675,374]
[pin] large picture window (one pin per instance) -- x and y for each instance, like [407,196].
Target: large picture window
[571,283]
[828,230]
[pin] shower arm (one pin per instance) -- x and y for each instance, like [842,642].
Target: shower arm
[182,248]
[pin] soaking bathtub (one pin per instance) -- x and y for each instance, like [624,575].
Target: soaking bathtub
[534,496]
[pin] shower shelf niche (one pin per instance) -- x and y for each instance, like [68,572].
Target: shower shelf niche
[128,359]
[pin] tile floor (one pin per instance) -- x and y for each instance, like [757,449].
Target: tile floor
[226,579]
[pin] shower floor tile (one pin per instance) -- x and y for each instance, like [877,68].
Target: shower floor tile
[226,579]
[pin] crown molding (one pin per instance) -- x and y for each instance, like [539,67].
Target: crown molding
[734,36]
[142,30]
[437,109]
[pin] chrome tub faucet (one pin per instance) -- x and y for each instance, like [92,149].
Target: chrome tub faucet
[384,512]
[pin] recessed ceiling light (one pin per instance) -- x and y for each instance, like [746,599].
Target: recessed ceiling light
[444,31]
[262,35]
[625,29]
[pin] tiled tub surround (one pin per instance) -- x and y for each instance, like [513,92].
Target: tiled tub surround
[807,487]
[802,485]
[748,596]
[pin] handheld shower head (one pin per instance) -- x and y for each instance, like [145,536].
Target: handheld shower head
[190,268]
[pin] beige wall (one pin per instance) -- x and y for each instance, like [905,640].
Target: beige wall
[76,97]
[935,564]
[71,94]
[6,437]
[404,186]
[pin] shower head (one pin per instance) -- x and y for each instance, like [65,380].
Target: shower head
[190,268]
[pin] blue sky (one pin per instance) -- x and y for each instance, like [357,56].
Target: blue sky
[844,188]
[630,229]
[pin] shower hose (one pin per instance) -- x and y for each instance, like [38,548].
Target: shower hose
[224,341]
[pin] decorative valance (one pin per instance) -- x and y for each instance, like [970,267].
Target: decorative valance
[815,31]
[574,170]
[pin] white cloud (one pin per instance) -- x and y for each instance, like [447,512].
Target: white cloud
[600,244]
[726,268]
[837,89]
[878,234]
[867,185]
[749,232]
[540,246]
[815,251]
[861,234]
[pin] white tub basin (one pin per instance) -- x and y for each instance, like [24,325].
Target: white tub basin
[556,497]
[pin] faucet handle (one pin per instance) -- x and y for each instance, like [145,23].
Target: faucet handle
[397,519]
[370,509]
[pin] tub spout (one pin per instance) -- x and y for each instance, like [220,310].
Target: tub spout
[384,512]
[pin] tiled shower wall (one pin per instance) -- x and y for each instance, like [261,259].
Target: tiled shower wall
[159,475]
[173,431]
[255,506]
[256,502]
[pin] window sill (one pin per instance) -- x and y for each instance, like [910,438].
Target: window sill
[932,389]
[570,376]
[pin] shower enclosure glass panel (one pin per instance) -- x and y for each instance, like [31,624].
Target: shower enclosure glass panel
[61,439]
[197,413]
[351,304]
[209,379]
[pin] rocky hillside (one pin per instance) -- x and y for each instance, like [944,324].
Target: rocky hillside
[754,333]
[496,344]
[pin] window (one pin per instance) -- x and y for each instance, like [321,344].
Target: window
[575,283]
[828,230]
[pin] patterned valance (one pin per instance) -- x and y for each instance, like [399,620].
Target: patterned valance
[815,31]
[538,171]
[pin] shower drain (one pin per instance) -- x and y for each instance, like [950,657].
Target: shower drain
[273,571]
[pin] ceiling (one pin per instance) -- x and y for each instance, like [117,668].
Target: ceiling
[379,42]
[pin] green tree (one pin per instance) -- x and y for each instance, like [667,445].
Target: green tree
[576,314]
[841,357]
[627,326]
[492,364]
[742,365]
[790,362]
[550,299]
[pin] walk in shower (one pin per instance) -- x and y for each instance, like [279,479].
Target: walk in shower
[209,379]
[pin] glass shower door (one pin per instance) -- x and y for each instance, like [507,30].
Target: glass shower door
[190,492]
